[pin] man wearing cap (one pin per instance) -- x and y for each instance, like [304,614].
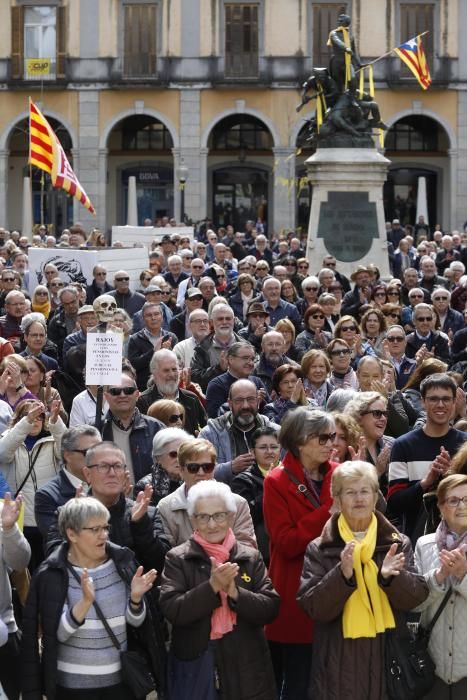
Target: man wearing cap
[143,344]
[360,294]
[129,301]
[257,325]
[153,293]
[180,324]
[99,284]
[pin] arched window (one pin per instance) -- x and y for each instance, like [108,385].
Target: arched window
[416,133]
[240,132]
[140,132]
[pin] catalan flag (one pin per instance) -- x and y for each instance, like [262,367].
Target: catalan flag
[46,152]
[413,55]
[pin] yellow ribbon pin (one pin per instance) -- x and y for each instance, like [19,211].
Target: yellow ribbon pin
[246,578]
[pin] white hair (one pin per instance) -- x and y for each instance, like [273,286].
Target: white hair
[442,290]
[164,437]
[311,280]
[210,489]
[173,258]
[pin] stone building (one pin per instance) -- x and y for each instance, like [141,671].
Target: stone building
[141,87]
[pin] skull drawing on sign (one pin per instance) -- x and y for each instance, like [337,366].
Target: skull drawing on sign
[105,307]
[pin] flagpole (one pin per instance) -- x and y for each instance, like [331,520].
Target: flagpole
[388,53]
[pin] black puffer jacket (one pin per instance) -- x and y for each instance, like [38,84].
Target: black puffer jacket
[250,485]
[44,608]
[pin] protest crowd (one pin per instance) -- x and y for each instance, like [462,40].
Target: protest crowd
[273,499]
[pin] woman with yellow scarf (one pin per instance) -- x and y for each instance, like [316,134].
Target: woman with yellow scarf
[358,581]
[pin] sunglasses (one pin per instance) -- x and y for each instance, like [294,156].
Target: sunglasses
[311,289]
[344,329]
[57,284]
[175,418]
[395,339]
[194,467]
[41,294]
[125,390]
[8,279]
[324,438]
[393,294]
[441,299]
[376,413]
[424,318]
[317,316]
[380,294]
[344,351]
[122,279]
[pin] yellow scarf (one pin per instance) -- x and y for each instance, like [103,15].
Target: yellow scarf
[367,612]
[42,308]
[347,56]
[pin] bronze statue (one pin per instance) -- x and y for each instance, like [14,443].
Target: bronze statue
[344,57]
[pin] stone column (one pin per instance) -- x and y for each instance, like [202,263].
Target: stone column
[101,212]
[190,134]
[27,221]
[6,215]
[88,145]
[283,205]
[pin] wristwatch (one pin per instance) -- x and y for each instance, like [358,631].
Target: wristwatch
[21,386]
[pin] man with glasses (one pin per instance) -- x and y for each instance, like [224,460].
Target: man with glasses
[55,285]
[65,319]
[422,457]
[360,295]
[416,295]
[394,346]
[199,328]
[329,261]
[231,433]
[424,341]
[9,281]
[165,376]
[153,293]
[69,481]
[145,342]
[128,428]
[174,275]
[179,325]
[129,301]
[187,256]
[15,309]
[99,284]
[450,320]
[276,307]
[209,358]
[207,288]
[197,267]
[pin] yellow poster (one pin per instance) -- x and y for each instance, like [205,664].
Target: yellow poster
[38,66]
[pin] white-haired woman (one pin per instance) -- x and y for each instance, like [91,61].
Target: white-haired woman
[217,595]
[165,476]
[358,582]
[77,654]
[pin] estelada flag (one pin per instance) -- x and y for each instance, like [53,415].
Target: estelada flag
[413,55]
[46,152]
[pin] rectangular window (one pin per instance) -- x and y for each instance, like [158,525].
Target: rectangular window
[325,16]
[38,42]
[241,40]
[139,59]
[416,18]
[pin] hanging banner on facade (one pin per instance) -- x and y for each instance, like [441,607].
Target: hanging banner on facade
[37,66]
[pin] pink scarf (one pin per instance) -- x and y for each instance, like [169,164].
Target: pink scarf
[223,619]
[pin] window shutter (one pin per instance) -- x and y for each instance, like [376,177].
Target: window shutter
[241,40]
[17,41]
[61,39]
[325,16]
[139,59]
[416,19]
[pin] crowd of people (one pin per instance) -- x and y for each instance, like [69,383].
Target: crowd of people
[277,482]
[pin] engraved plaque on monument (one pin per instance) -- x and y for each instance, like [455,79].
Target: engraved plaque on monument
[348,224]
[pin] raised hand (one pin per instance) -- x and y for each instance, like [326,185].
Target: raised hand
[393,563]
[127,487]
[360,453]
[87,588]
[10,511]
[347,559]
[222,575]
[141,583]
[35,411]
[54,410]
[141,504]
[298,391]
[382,460]
[453,563]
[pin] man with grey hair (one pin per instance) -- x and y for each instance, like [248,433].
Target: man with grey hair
[272,356]
[231,433]
[276,307]
[145,342]
[174,274]
[209,358]
[64,320]
[69,481]
[198,322]
[165,376]
[15,309]
[450,320]
[99,284]
[129,301]
[425,342]
[428,277]
[34,328]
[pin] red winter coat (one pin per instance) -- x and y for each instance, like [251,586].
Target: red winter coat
[292,522]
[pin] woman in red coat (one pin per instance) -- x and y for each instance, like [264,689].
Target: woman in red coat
[297,499]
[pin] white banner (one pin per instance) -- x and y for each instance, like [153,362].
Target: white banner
[145,235]
[104,358]
[73,265]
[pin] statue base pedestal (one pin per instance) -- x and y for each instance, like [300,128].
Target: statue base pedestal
[347,214]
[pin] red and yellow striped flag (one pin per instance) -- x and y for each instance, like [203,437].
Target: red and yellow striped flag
[46,152]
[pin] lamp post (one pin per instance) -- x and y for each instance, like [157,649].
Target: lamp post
[182,174]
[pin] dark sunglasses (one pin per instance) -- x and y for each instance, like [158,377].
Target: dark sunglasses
[193,467]
[8,279]
[395,339]
[424,318]
[311,289]
[344,351]
[119,390]
[348,328]
[176,417]
[317,316]
[376,413]
[324,438]
[122,279]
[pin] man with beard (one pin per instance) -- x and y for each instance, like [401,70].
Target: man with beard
[166,377]
[231,433]
[429,279]
[209,359]
[272,356]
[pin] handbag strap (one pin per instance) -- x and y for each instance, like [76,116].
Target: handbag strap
[99,612]
[30,470]
[434,620]
[303,489]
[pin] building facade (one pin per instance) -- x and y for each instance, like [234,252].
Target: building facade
[143,87]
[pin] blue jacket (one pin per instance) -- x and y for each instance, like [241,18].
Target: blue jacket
[404,372]
[454,321]
[218,391]
[49,498]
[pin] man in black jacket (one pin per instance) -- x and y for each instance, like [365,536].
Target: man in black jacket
[435,344]
[143,344]
[99,284]
[179,324]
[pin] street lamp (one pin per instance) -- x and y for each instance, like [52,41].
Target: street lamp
[182,174]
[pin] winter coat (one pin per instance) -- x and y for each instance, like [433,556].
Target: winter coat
[352,669]
[449,635]
[195,415]
[250,485]
[140,352]
[177,525]
[219,433]
[46,453]
[307,340]
[188,601]
[44,607]
[205,363]
[14,555]
[292,522]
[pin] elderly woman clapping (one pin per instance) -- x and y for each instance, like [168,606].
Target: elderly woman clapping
[441,558]
[78,656]
[217,595]
[358,580]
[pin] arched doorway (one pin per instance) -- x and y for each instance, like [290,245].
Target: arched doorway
[141,146]
[241,186]
[418,147]
[52,207]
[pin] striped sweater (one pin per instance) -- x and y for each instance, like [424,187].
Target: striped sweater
[86,656]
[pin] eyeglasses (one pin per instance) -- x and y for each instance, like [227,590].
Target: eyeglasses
[197,267]
[344,351]
[194,467]
[317,316]
[415,296]
[125,390]
[376,413]
[311,289]
[97,529]
[324,438]
[395,338]
[104,468]
[344,329]
[9,279]
[391,314]
[175,418]
[221,277]
[245,358]
[172,454]
[122,279]
[166,293]
[455,501]
[424,318]
[393,294]
[81,452]
[268,447]
[380,294]
[335,289]
[441,299]
[330,264]
[199,320]
[439,399]
[204,518]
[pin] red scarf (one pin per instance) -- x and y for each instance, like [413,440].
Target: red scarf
[224,618]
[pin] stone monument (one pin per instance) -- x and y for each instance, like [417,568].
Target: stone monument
[347,172]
